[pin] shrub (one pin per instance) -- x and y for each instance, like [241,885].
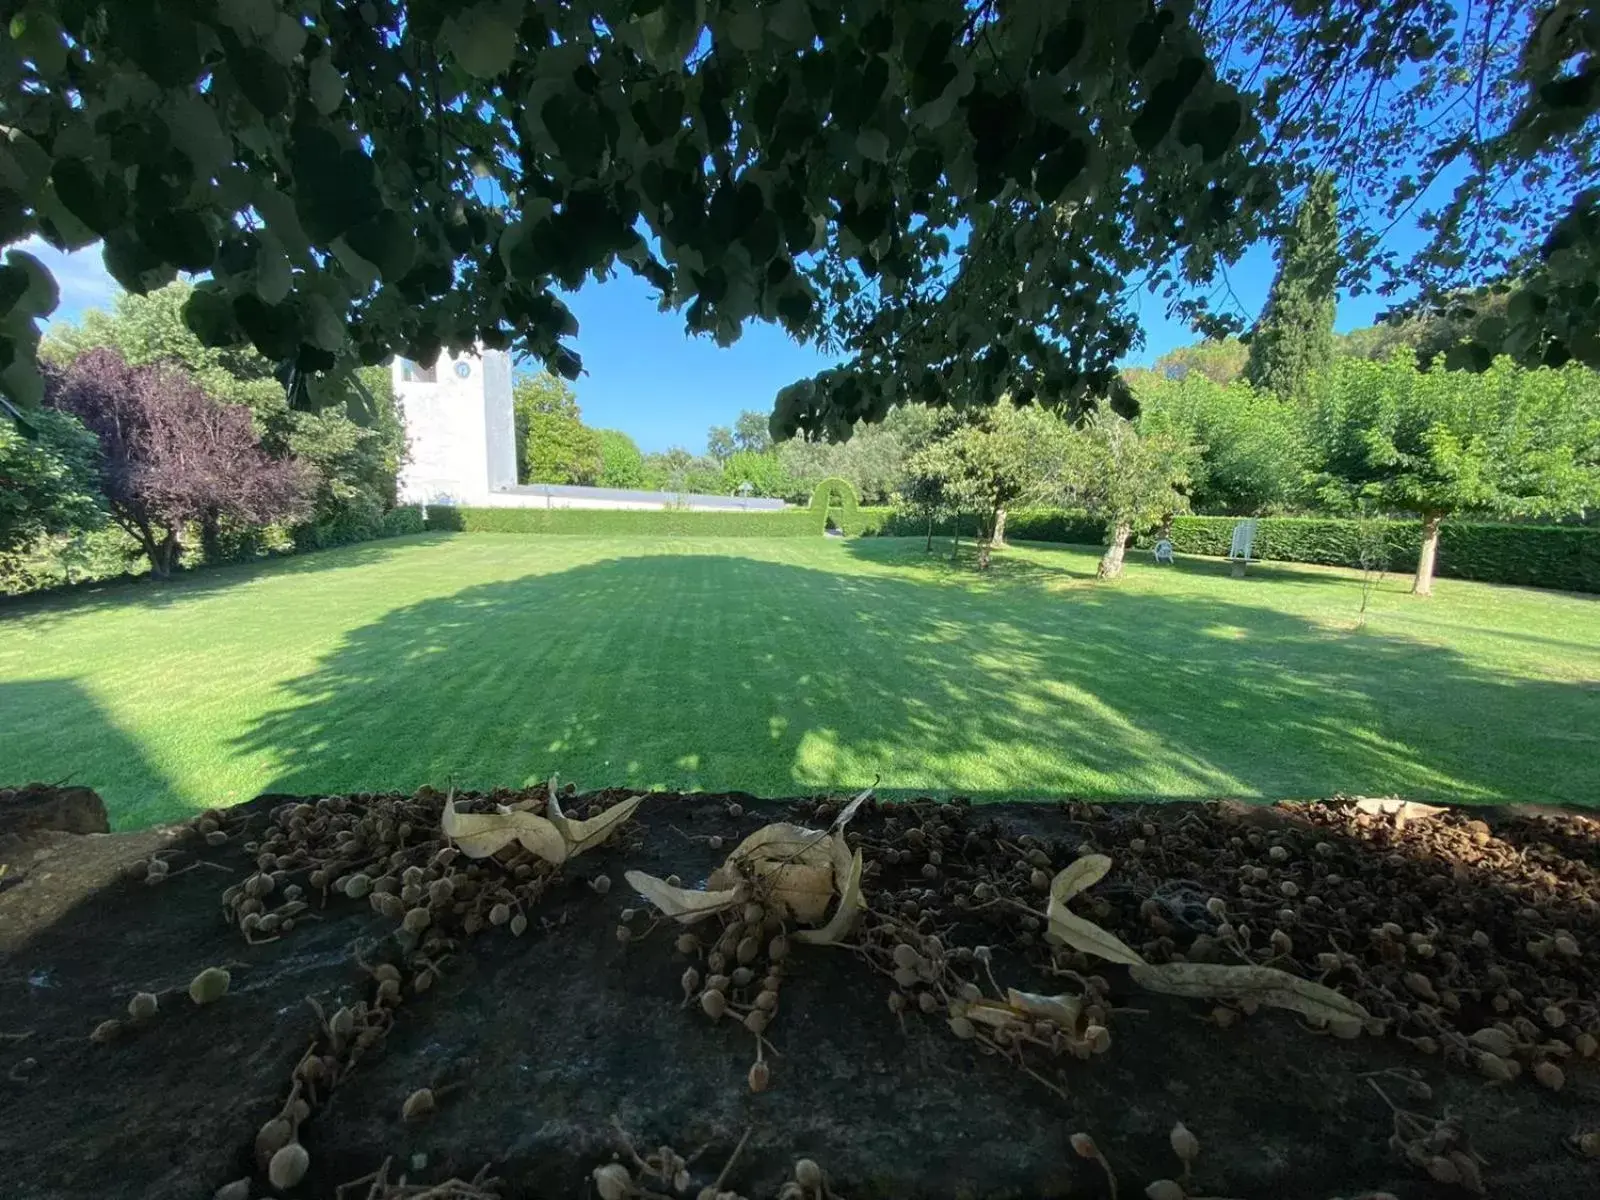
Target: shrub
[597,522]
[407,519]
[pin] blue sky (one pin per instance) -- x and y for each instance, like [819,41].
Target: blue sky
[646,377]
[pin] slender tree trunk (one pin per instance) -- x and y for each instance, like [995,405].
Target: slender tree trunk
[928,549]
[1111,562]
[211,538]
[1430,553]
[984,548]
[999,538]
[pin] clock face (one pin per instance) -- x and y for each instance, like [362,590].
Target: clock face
[463,370]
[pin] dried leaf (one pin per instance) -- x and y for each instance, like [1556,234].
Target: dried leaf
[1088,937]
[847,878]
[1064,1011]
[849,810]
[481,834]
[794,865]
[683,905]
[1264,985]
[586,835]
[1081,873]
[1401,810]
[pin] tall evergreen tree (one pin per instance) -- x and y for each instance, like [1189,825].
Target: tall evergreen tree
[1294,338]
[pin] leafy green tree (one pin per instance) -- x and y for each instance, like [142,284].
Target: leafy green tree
[993,460]
[1251,447]
[1508,442]
[676,470]
[562,450]
[355,441]
[1294,338]
[873,459]
[751,433]
[553,443]
[753,473]
[1221,360]
[150,329]
[719,442]
[1133,481]
[621,464]
[47,479]
[433,175]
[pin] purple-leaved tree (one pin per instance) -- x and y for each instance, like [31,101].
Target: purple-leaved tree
[170,456]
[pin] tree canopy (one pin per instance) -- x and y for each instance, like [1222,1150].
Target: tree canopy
[47,479]
[1130,478]
[1509,442]
[401,178]
[170,455]
[1293,340]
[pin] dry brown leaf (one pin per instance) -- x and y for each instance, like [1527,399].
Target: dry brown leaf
[478,835]
[1081,873]
[847,878]
[1264,985]
[586,835]
[683,905]
[849,810]
[794,865]
[1090,938]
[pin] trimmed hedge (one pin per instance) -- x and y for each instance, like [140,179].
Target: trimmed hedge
[1552,556]
[1072,526]
[622,522]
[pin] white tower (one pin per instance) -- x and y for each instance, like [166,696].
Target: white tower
[458,418]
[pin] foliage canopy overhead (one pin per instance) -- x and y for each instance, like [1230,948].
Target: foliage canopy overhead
[369,179]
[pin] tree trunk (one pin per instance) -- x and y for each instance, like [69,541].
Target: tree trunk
[955,539]
[1111,562]
[1430,553]
[999,538]
[984,546]
[211,538]
[929,548]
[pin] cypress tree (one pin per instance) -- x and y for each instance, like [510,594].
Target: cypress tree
[1294,337]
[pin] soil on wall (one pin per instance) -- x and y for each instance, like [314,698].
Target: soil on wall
[554,1038]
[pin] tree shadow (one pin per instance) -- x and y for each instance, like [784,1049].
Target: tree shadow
[144,591]
[723,672]
[52,731]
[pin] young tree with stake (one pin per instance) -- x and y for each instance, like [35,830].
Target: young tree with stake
[1131,481]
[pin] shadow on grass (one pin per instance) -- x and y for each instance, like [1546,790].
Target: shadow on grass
[145,591]
[68,727]
[725,673]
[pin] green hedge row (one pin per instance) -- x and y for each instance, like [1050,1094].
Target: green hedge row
[352,528]
[1070,526]
[621,522]
[1552,556]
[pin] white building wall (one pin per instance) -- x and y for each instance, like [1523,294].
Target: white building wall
[460,428]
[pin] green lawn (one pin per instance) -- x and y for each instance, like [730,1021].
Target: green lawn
[794,665]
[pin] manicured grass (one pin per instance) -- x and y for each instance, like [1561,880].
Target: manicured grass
[794,665]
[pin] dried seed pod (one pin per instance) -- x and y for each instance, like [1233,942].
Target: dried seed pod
[747,950]
[773,981]
[1492,1066]
[928,1002]
[760,1076]
[417,920]
[143,1006]
[778,948]
[239,1189]
[1588,1144]
[1420,985]
[767,1001]
[441,891]
[807,1174]
[906,956]
[905,977]
[717,983]
[210,985]
[1184,1144]
[1586,1045]
[1553,1016]
[288,1166]
[756,1021]
[419,1104]
[743,977]
[358,886]
[690,981]
[388,992]
[272,1137]
[1550,1076]
[1223,1017]
[687,943]
[1495,1041]
[105,1032]
[1289,889]
[1282,943]
[612,1182]
[735,810]
[1566,945]
[389,905]
[500,914]
[601,884]
[713,1004]
[717,962]
[714,841]
[897,1003]
[1442,1170]
[1083,1146]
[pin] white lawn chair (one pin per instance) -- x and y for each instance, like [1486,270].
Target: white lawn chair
[1244,536]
